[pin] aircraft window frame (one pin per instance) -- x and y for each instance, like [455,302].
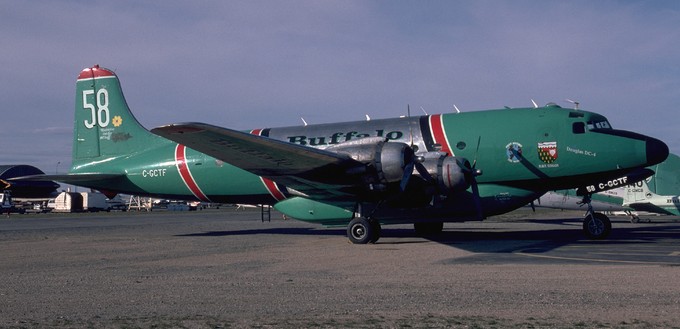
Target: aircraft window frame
[604,124]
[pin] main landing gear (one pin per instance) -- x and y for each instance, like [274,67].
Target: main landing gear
[362,230]
[596,226]
[634,218]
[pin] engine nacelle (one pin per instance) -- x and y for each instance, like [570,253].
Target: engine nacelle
[384,161]
[452,174]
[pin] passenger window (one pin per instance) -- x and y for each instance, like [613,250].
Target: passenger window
[578,128]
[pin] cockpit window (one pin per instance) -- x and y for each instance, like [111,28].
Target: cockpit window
[598,125]
[578,128]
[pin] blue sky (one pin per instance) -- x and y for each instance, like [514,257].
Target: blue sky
[255,64]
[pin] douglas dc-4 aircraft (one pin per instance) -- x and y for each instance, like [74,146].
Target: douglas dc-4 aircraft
[424,170]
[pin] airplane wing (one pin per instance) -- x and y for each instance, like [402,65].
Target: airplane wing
[300,167]
[648,207]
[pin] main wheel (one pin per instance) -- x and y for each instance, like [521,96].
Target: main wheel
[597,226]
[362,231]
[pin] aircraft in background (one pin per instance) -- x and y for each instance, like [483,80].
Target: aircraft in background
[640,198]
[635,196]
[666,180]
[607,201]
[26,190]
[659,194]
[424,170]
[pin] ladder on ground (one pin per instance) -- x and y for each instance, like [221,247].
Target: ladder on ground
[138,203]
[266,212]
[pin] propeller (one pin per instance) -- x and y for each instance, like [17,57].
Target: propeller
[473,173]
[411,160]
[409,154]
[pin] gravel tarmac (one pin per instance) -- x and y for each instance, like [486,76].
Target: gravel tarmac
[228,269]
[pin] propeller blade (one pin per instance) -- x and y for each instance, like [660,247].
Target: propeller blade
[423,172]
[474,162]
[471,174]
[408,171]
[477,199]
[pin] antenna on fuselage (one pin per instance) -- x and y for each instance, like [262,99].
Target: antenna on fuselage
[456,108]
[573,102]
[422,109]
[303,121]
[410,130]
[534,102]
[368,118]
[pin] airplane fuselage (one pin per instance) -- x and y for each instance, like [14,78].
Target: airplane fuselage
[515,148]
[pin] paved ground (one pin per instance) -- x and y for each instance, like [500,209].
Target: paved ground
[214,269]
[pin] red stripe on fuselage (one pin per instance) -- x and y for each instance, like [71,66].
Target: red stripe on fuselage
[256,132]
[273,189]
[183,168]
[438,133]
[269,184]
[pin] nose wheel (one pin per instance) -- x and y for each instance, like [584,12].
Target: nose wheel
[596,226]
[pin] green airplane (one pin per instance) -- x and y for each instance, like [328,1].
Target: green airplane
[424,170]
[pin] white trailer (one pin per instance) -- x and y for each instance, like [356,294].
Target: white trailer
[94,202]
[68,202]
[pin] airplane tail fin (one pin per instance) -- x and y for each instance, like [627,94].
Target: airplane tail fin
[638,192]
[104,126]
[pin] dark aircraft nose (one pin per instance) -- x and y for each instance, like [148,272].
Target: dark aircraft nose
[657,151]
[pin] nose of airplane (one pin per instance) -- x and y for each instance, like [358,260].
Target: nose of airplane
[657,151]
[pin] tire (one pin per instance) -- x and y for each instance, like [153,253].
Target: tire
[361,231]
[597,226]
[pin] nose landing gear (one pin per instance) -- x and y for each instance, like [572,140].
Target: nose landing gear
[596,226]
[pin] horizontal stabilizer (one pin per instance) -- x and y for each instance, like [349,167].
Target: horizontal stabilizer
[68,178]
